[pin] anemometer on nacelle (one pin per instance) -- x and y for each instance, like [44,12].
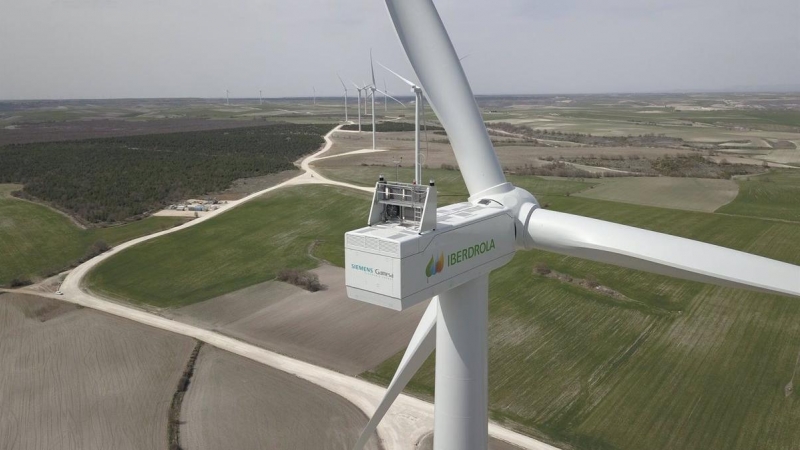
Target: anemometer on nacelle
[411,250]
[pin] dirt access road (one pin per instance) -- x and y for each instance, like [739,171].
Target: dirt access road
[405,424]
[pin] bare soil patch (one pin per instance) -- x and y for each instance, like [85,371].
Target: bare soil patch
[692,194]
[426,443]
[245,186]
[401,148]
[74,378]
[325,328]
[235,403]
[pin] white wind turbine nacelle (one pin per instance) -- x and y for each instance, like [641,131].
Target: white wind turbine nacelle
[457,316]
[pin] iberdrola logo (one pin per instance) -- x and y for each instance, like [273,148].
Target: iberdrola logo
[436,266]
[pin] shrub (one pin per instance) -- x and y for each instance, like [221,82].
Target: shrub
[542,269]
[301,278]
[20,282]
[97,248]
[591,281]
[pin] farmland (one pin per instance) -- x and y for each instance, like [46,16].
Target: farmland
[691,365]
[113,179]
[325,328]
[36,241]
[775,195]
[578,368]
[679,193]
[642,361]
[77,379]
[239,404]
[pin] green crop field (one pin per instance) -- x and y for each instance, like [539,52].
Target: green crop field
[248,245]
[775,195]
[36,241]
[676,365]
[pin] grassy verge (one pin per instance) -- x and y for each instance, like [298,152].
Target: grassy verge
[36,241]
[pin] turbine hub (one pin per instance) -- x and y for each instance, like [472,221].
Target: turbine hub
[520,202]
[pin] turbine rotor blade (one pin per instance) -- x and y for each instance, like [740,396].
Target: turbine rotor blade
[341,81]
[419,349]
[372,67]
[398,76]
[436,64]
[384,93]
[659,253]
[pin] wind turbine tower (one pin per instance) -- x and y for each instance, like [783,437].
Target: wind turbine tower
[315,95]
[372,89]
[417,114]
[359,105]
[411,251]
[260,100]
[227,97]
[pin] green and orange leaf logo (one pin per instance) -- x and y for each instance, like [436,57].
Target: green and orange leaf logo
[435,266]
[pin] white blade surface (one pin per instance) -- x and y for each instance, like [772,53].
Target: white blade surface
[384,93]
[398,75]
[419,349]
[660,253]
[436,64]
[372,69]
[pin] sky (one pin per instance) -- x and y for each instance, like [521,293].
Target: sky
[59,49]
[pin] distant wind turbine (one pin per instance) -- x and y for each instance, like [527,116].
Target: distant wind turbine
[260,100]
[315,95]
[359,105]
[417,113]
[374,89]
[344,86]
[227,97]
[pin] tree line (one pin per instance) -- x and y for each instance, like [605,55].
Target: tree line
[384,127]
[114,179]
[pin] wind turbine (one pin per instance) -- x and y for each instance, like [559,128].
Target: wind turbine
[373,88]
[385,99]
[227,98]
[260,100]
[384,261]
[359,105]
[417,114]
[344,86]
[315,95]
[365,88]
